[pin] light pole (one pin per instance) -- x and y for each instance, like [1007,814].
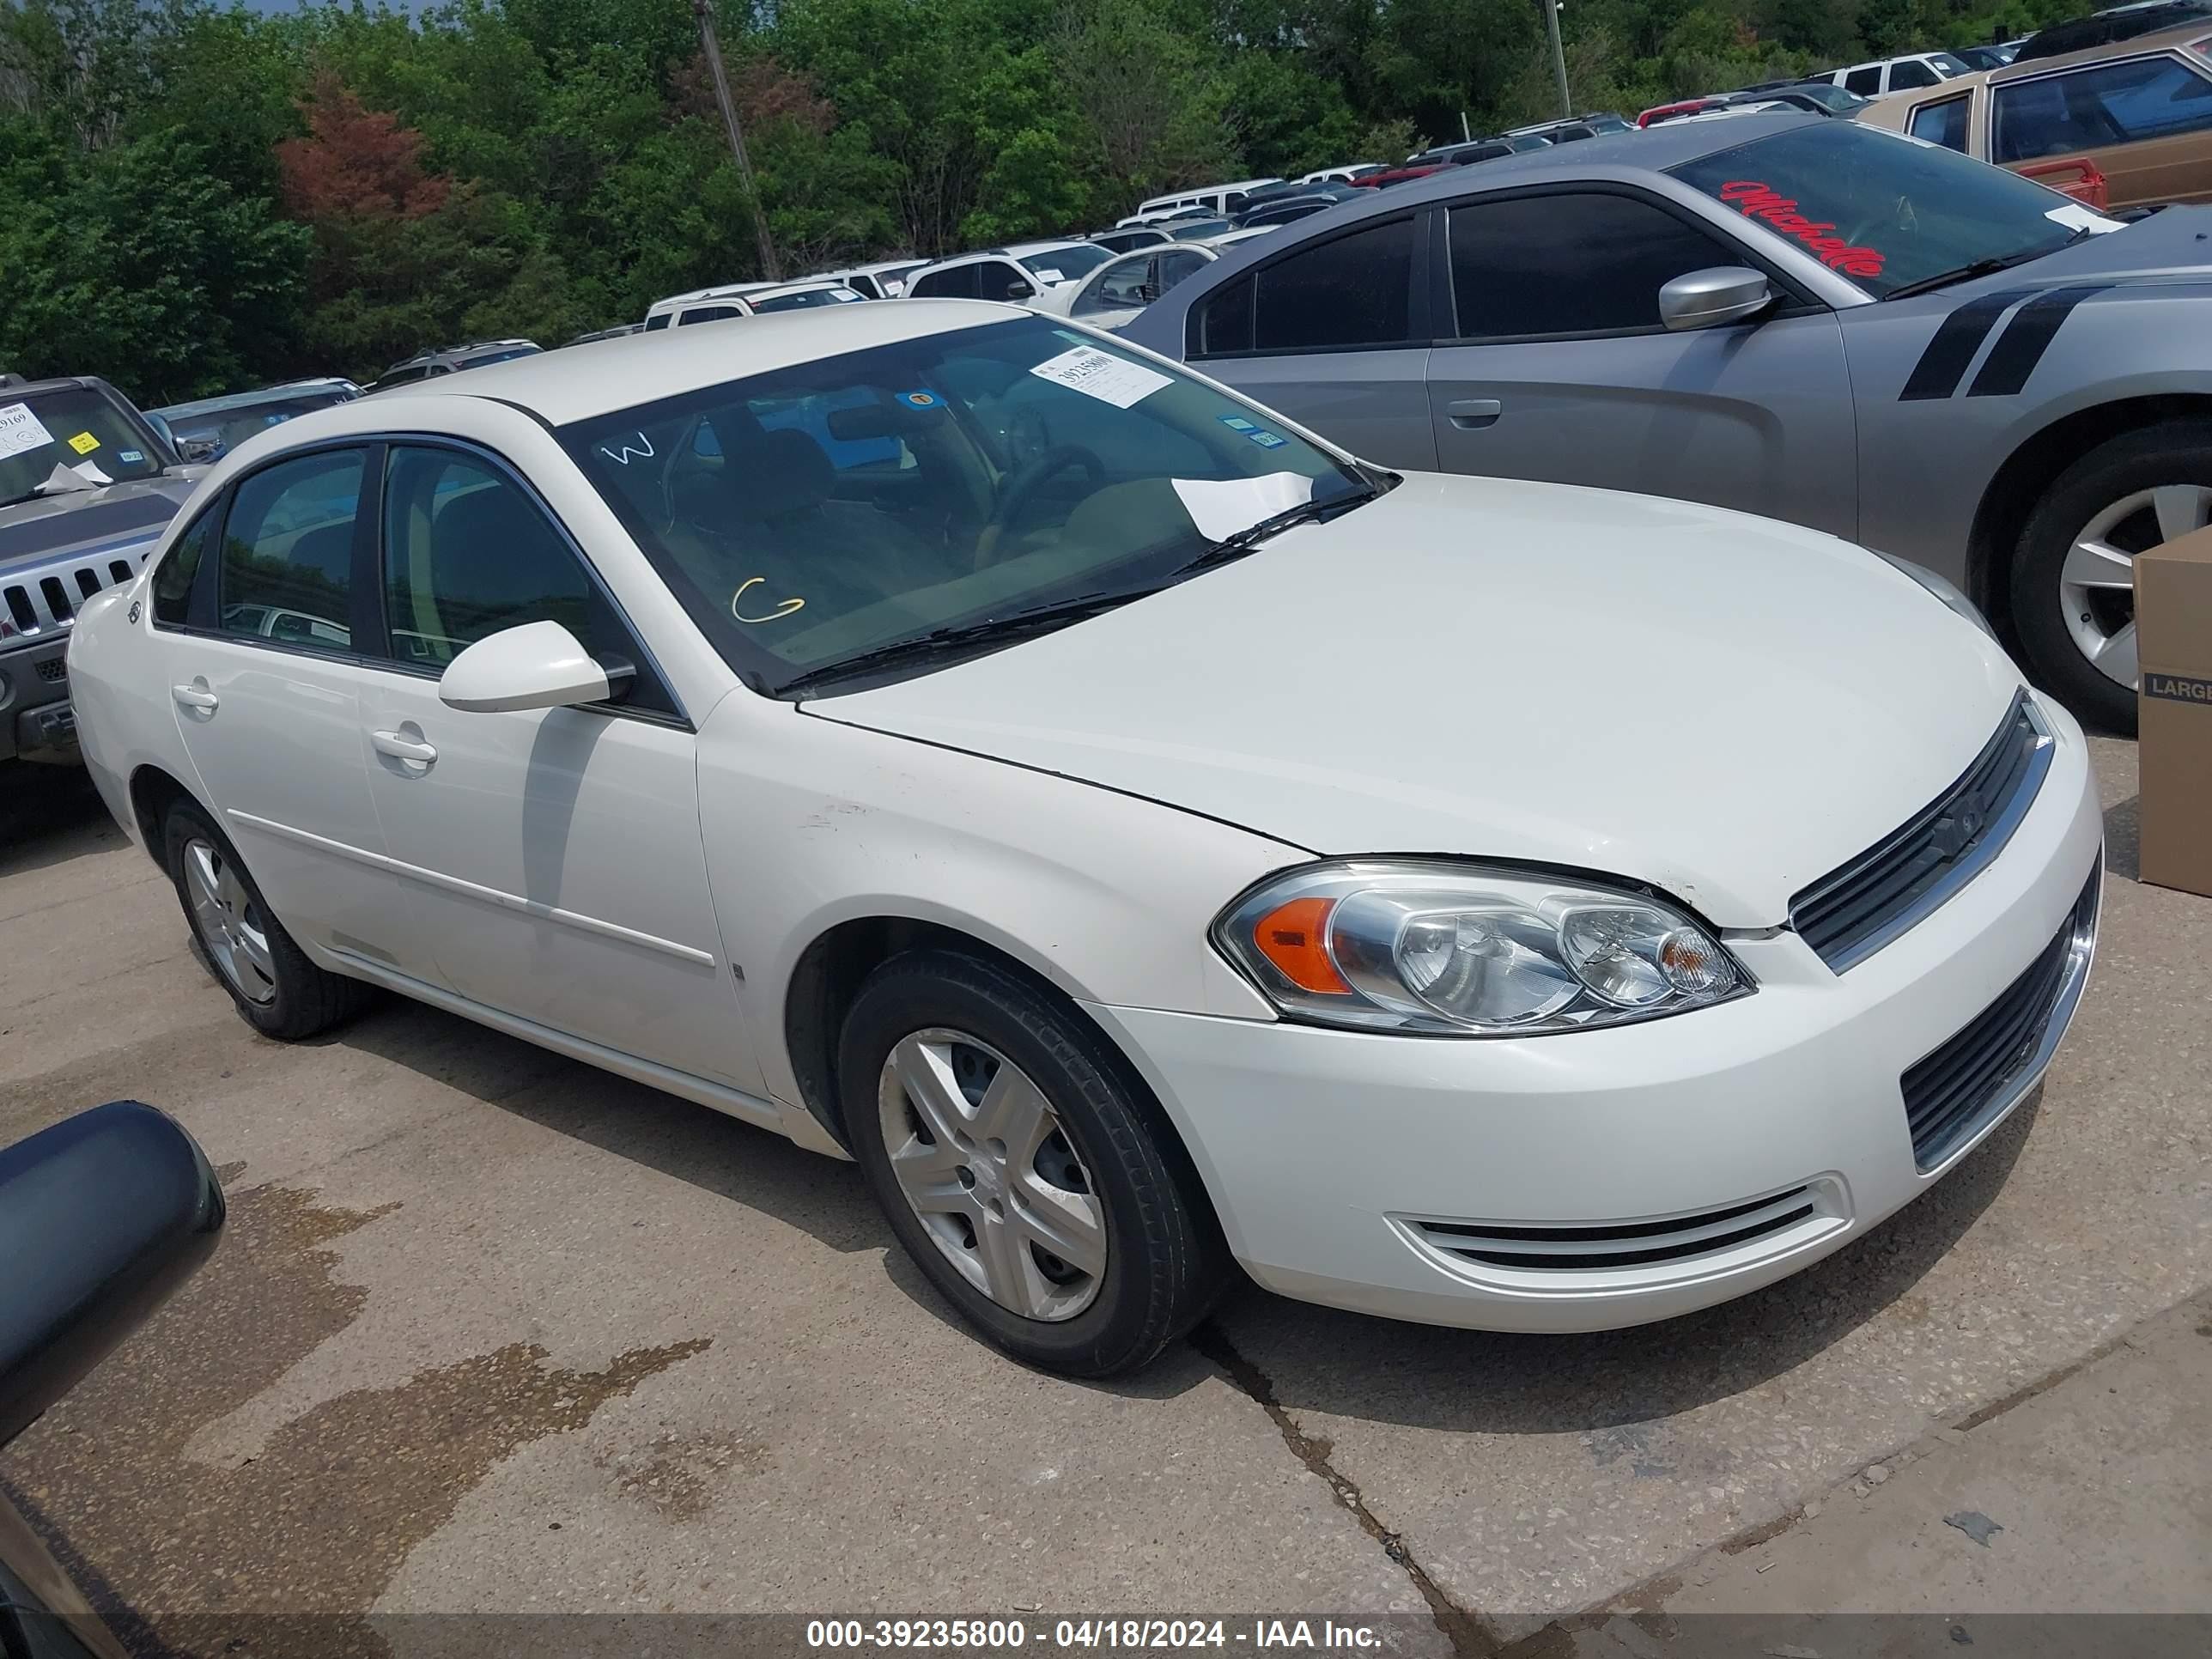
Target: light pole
[1552,8]
[704,12]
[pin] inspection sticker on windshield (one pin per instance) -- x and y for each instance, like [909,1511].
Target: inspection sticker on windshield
[1096,373]
[84,443]
[19,429]
[1268,439]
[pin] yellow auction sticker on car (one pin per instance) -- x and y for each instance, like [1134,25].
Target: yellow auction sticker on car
[84,443]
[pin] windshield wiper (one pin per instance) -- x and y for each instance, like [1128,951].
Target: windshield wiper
[989,631]
[1988,267]
[1237,545]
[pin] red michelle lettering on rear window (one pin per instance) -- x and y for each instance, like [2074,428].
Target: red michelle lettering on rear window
[1755,199]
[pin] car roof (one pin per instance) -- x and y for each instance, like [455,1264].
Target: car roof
[1653,149]
[267,394]
[601,376]
[2175,34]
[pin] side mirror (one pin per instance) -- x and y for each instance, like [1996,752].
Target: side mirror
[193,451]
[1020,290]
[1706,299]
[102,1217]
[538,664]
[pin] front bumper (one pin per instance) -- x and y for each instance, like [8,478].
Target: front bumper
[1604,1178]
[36,720]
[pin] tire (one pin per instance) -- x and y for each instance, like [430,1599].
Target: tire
[2058,623]
[1163,1260]
[276,990]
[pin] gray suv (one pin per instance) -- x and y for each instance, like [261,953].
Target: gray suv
[86,484]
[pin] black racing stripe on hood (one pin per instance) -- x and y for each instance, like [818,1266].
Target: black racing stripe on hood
[2029,335]
[50,531]
[1943,362]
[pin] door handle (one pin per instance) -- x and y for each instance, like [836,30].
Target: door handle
[400,747]
[1469,413]
[195,695]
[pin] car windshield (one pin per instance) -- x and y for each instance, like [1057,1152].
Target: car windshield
[1828,95]
[73,427]
[1065,264]
[1884,210]
[813,514]
[1950,64]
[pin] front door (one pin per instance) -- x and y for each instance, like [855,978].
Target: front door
[267,694]
[551,858]
[1562,370]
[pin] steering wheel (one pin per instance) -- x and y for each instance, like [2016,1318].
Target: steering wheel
[1024,482]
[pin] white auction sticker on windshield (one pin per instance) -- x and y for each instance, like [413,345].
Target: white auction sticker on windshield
[19,429]
[2074,216]
[1100,374]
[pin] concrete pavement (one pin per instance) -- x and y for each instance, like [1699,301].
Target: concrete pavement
[494,1332]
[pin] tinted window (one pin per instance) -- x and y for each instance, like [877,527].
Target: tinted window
[654,322]
[1943,124]
[288,551]
[172,581]
[808,300]
[1864,81]
[995,279]
[1347,291]
[708,314]
[1176,266]
[2112,104]
[957,283]
[1912,73]
[418,372]
[1565,264]
[1224,322]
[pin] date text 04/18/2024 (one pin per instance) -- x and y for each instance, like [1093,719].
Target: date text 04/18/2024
[1085,1634]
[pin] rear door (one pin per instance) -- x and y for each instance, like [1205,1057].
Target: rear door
[1561,369]
[1334,332]
[2146,122]
[266,680]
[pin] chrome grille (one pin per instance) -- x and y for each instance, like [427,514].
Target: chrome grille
[1853,912]
[1953,1092]
[43,604]
[1628,1244]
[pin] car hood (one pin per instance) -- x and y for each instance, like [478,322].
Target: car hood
[1720,706]
[92,520]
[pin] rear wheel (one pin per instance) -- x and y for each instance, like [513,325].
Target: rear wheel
[2073,598]
[1029,1178]
[277,990]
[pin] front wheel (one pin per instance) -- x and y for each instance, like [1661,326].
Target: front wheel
[1020,1168]
[2073,590]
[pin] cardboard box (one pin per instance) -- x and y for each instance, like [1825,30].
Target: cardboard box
[2173,645]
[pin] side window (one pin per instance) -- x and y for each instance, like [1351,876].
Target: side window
[467,553]
[996,278]
[1222,321]
[864,285]
[659,319]
[288,551]
[172,581]
[1350,291]
[1125,286]
[2108,104]
[1911,72]
[1569,264]
[957,283]
[708,314]
[1944,122]
[1176,266]
[1867,82]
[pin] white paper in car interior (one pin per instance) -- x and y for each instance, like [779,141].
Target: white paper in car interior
[2074,216]
[20,430]
[1100,374]
[1046,273]
[1222,506]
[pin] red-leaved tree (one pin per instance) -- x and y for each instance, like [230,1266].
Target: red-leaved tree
[355,163]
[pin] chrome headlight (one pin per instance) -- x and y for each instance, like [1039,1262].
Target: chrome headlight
[1465,949]
[1943,589]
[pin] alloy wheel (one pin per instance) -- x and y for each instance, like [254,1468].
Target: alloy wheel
[982,1159]
[2096,583]
[230,921]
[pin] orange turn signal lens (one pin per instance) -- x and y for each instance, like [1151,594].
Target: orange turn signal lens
[1294,937]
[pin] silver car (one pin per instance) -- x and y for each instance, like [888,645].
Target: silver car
[1792,315]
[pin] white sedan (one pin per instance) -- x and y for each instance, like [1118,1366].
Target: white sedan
[1114,293]
[1140,834]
